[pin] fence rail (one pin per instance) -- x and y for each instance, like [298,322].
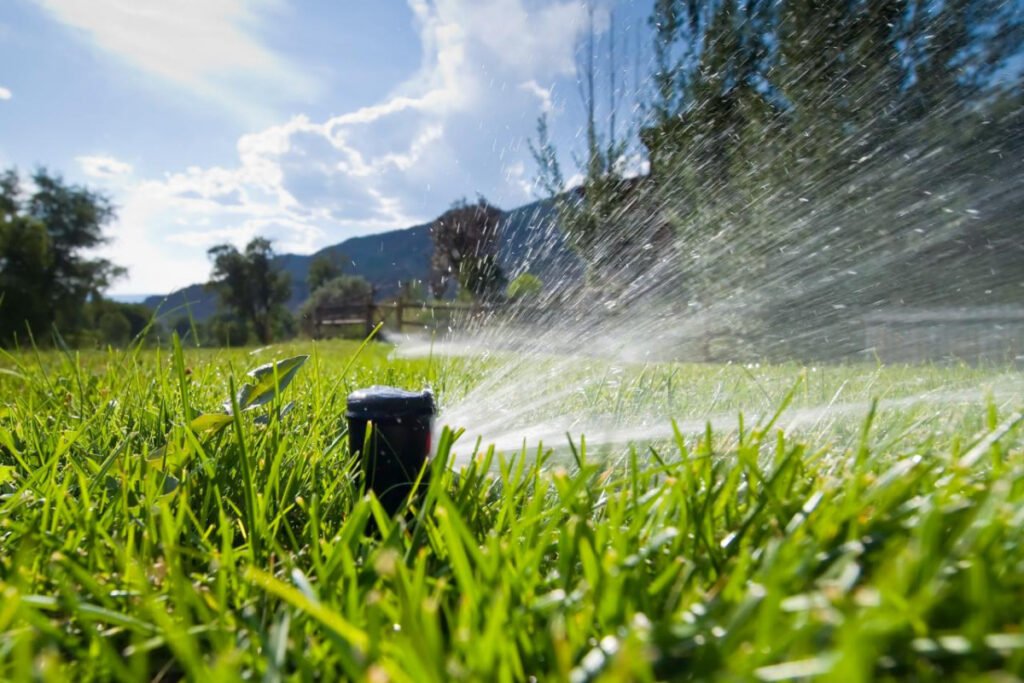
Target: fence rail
[974,335]
[403,313]
[977,335]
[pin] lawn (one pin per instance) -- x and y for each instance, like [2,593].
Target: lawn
[849,522]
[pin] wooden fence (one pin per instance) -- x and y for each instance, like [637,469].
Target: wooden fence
[401,313]
[974,335]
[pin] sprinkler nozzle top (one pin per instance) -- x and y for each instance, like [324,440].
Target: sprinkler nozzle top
[382,402]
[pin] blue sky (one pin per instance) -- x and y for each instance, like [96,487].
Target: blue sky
[304,121]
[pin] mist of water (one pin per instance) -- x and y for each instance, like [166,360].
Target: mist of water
[906,249]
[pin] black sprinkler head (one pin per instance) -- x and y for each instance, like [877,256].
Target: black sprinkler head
[390,429]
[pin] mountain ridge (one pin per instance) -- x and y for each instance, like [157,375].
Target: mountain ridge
[529,241]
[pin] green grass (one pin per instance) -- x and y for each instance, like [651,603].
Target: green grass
[135,544]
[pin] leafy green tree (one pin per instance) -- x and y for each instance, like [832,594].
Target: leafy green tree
[801,147]
[465,248]
[226,329]
[323,268]
[24,269]
[589,215]
[188,329]
[113,328]
[412,291]
[340,291]
[47,274]
[524,287]
[251,285]
[711,120]
[483,277]
[117,324]
[798,148]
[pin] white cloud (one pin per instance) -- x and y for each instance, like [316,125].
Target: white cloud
[5,94]
[575,180]
[207,46]
[516,174]
[634,165]
[521,40]
[455,127]
[542,94]
[103,167]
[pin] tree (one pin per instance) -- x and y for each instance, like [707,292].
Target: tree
[117,323]
[465,248]
[114,328]
[340,291]
[591,215]
[225,329]
[812,160]
[249,283]
[323,268]
[46,273]
[819,158]
[525,287]
[25,259]
[483,278]
[412,291]
[710,127]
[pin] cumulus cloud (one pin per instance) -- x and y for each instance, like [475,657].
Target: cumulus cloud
[455,127]
[543,95]
[103,167]
[206,46]
[5,94]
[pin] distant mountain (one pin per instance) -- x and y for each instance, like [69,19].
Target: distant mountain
[130,298]
[530,241]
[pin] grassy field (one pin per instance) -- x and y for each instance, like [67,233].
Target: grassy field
[145,536]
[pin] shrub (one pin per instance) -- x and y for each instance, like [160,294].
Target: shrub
[525,287]
[339,291]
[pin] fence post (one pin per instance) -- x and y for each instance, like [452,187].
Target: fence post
[369,319]
[399,306]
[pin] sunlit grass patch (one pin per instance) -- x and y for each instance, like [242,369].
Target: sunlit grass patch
[890,547]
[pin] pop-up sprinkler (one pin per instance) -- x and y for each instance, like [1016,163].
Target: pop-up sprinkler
[390,429]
